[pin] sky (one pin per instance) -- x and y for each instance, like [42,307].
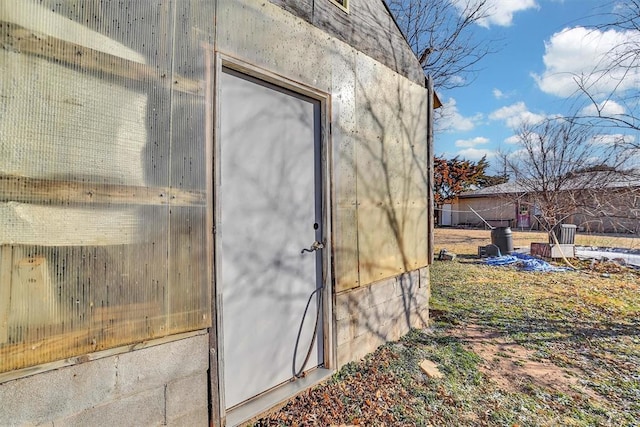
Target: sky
[540,44]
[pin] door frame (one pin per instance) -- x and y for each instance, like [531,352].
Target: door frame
[216,350]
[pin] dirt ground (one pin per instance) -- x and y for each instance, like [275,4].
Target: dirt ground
[514,367]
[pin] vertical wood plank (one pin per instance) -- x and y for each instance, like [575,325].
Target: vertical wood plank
[430,201]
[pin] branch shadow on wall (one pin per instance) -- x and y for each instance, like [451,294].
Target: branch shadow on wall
[385,151]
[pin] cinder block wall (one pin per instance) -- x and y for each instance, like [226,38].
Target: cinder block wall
[369,316]
[160,385]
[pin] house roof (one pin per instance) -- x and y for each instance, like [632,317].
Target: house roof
[588,180]
[494,190]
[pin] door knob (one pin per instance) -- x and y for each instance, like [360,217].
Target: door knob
[314,247]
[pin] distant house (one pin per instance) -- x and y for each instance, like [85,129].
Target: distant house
[602,204]
[498,205]
[205,206]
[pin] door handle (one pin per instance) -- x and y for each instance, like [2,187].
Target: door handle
[314,247]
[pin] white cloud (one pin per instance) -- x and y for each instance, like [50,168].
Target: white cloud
[513,139]
[470,143]
[607,108]
[475,154]
[609,139]
[499,12]
[516,115]
[499,94]
[457,80]
[523,154]
[452,120]
[520,153]
[469,149]
[583,53]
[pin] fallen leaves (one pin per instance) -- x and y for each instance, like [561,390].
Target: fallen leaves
[361,394]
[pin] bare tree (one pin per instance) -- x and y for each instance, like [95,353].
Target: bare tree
[565,169]
[614,79]
[441,34]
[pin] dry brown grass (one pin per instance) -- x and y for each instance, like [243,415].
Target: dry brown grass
[466,241]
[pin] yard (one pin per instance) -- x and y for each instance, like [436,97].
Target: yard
[515,348]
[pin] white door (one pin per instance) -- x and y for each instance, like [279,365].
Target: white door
[446,217]
[270,208]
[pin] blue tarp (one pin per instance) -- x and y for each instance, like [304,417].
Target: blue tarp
[524,262]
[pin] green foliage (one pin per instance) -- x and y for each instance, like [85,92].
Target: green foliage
[454,176]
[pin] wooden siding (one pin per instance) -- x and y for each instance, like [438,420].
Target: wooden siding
[367,26]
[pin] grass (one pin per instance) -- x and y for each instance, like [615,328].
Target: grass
[572,319]
[467,241]
[580,322]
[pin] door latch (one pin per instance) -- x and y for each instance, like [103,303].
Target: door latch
[314,247]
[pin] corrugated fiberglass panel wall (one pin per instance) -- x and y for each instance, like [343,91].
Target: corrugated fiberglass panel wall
[103,206]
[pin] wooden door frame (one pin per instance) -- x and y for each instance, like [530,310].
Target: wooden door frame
[216,350]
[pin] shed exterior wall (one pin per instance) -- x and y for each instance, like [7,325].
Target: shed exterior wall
[367,27]
[379,136]
[104,196]
[379,166]
[380,217]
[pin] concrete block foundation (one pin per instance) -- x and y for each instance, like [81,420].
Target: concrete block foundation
[159,385]
[369,316]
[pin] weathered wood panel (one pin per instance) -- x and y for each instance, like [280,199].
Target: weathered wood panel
[301,8]
[392,174]
[43,191]
[367,26]
[345,239]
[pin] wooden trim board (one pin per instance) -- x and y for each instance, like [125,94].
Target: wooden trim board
[34,190]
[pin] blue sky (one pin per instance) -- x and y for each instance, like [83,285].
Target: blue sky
[541,43]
